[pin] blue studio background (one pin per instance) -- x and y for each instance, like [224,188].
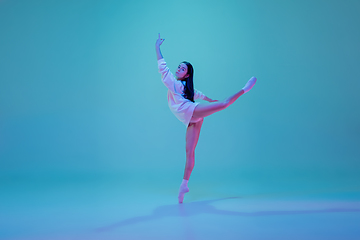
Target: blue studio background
[81,99]
[80,91]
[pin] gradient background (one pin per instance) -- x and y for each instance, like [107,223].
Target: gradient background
[82,105]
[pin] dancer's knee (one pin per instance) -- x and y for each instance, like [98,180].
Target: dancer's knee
[190,154]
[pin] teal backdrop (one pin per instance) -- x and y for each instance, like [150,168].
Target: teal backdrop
[81,98]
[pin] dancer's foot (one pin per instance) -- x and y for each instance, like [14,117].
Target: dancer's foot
[249,84]
[183,189]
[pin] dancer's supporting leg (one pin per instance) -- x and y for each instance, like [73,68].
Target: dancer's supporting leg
[192,138]
[204,110]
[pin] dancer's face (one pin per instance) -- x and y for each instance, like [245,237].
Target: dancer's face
[181,72]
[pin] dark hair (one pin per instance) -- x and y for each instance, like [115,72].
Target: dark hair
[189,86]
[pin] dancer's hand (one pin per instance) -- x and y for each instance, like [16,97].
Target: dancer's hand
[209,99]
[159,41]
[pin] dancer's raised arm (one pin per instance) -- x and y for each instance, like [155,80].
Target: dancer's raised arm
[159,41]
[166,76]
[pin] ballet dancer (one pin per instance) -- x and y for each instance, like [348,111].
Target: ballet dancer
[181,96]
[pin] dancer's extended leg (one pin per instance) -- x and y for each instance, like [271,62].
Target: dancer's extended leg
[204,110]
[192,138]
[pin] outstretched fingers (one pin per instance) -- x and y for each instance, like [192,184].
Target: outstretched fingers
[159,40]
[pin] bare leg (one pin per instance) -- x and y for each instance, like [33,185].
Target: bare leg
[192,137]
[203,110]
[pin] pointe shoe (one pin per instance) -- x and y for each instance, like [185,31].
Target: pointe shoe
[182,191]
[249,85]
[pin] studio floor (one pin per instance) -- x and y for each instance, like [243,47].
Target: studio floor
[40,209]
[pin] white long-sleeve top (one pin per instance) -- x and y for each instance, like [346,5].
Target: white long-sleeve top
[181,107]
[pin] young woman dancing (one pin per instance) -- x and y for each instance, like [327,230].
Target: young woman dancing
[181,96]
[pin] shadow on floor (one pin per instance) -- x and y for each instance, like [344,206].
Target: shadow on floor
[204,207]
